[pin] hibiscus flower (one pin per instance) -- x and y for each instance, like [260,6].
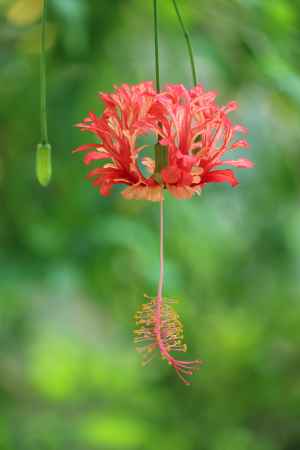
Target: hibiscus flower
[192,134]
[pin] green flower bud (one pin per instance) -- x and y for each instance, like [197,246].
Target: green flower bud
[43,164]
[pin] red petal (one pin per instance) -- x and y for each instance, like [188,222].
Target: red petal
[241,163]
[231,106]
[221,176]
[92,156]
[85,147]
[97,171]
[105,189]
[241,144]
[170,174]
[240,129]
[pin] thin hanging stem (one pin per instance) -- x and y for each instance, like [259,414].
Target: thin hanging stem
[159,299]
[188,42]
[156,46]
[43,165]
[43,91]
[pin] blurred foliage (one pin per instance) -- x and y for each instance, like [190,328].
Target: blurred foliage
[74,266]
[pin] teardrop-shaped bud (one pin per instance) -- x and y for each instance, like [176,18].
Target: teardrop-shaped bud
[43,164]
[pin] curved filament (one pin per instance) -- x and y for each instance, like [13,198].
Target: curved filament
[160,329]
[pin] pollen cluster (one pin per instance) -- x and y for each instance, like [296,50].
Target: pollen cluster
[171,328]
[160,328]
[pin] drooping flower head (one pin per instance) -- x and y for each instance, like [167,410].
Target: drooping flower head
[192,132]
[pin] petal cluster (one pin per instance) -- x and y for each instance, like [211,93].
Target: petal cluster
[192,134]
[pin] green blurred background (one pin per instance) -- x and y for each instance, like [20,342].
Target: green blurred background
[74,266]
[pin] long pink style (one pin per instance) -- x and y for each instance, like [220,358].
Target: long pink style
[167,335]
[159,302]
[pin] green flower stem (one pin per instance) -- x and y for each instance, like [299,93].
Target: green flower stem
[43,165]
[156,46]
[188,42]
[161,153]
[43,91]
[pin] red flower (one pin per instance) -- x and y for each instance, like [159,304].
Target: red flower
[197,133]
[193,133]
